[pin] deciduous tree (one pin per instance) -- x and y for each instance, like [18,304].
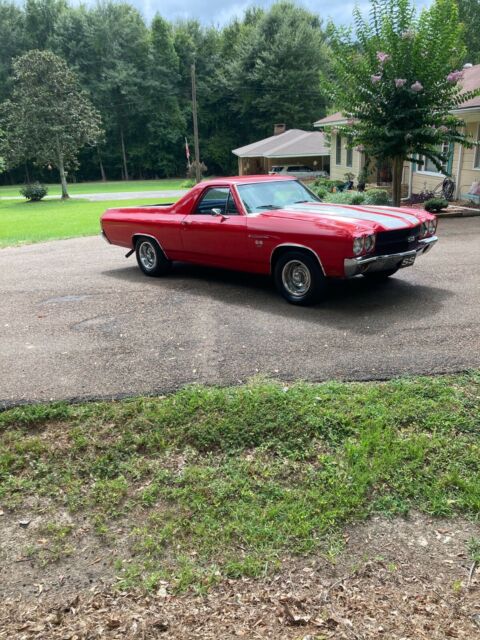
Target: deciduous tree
[275,75]
[469,14]
[48,118]
[397,78]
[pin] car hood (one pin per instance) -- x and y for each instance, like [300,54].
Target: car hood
[365,217]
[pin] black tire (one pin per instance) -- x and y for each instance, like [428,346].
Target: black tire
[380,276]
[150,257]
[299,278]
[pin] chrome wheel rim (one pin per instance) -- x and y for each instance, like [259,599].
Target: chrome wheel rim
[147,255]
[296,278]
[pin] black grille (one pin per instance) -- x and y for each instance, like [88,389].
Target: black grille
[397,241]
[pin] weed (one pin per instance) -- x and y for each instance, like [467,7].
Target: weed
[222,483]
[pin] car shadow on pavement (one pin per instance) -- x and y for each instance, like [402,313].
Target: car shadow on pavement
[383,303]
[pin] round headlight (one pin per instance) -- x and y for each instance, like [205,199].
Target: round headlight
[423,229]
[369,242]
[358,246]
[432,226]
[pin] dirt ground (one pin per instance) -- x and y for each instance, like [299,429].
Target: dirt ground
[399,579]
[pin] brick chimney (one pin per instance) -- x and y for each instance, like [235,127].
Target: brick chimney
[279,128]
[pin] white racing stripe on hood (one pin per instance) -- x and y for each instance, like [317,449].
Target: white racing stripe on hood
[394,221]
[394,212]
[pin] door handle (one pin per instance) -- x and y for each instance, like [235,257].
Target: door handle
[185,222]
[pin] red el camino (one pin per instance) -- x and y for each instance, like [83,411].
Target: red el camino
[272,225]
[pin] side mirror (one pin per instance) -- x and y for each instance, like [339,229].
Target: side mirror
[216,211]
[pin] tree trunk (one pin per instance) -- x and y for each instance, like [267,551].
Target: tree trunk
[63,178]
[102,170]
[124,156]
[27,173]
[397,173]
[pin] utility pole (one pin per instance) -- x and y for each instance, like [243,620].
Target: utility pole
[195,126]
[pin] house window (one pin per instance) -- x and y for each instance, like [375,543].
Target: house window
[476,158]
[429,167]
[338,149]
[349,161]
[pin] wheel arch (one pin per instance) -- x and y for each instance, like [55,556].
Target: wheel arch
[137,236]
[281,249]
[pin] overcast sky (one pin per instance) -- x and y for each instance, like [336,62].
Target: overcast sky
[219,12]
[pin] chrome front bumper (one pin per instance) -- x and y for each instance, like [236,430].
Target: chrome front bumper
[364,264]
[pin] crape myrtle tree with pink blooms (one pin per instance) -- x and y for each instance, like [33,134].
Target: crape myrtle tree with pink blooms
[397,79]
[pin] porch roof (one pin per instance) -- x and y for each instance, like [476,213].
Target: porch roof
[293,143]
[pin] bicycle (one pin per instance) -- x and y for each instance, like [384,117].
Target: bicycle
[444,189]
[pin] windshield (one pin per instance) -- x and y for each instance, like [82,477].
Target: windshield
[261,196]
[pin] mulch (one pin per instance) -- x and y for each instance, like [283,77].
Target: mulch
[402,579]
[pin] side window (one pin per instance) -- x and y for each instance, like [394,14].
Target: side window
[338,149]
[214,198]
[231,206]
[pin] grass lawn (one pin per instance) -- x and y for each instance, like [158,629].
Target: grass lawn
[26,222]
[214,483]
[103,187]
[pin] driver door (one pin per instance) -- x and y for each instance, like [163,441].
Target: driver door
[215,232]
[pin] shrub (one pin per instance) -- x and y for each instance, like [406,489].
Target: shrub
[417,198]
[327,184]
[346,197]
[188,184]
[321,192]
[377,196]
[434,205]
[34,192]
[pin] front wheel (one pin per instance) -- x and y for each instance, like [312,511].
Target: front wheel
[150,257]
[379,276]
[299,278]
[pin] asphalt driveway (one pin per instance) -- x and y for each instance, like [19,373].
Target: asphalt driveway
[78,320]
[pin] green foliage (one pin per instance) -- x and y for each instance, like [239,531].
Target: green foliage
[219,483]
[253,72]
[34,192]
[275,69]
[329,185]
[321,192]
[188,184]
[48,118]
[377,196]
[434,205]
[474,549]
[469,15]
[346,197]
[393,81]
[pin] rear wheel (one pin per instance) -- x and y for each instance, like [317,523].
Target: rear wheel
[299,278]
[379,276]
[150,257]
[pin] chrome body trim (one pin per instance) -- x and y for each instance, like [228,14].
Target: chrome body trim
[146,235]
[298,246]
[355,266]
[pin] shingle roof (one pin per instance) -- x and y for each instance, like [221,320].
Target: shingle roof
[471,81]
[334,118]
[290,144]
